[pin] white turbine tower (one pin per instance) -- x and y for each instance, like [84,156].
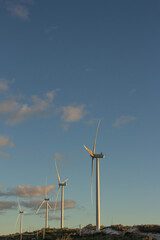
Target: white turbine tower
[20,215]
[97,156]
[47,205]
[61,185]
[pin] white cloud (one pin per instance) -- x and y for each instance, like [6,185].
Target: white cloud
[32,204]
[32,191]
[67,204]
[16,112]
[62,161]
[58,156]
[50,29]
[123,120]
[18,10]
[73,113]
[4,155]
[27,191]
[5,141]
[5,205]
[3,84]
[50,95]
[8,106]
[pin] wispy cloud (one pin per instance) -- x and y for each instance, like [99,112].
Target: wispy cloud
[18,10]
[68,204]
[4,155]
[50,29]
[5,142]
[123,120]
[7,205]
[32,191]
[72,114]
[16,112]
[61,159]
[3,84]
[9,106]
[27,191]
[34,204]
[17,109]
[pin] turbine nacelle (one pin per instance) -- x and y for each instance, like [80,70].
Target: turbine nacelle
[94,155]
[46,199]
[101,155]
[63,184]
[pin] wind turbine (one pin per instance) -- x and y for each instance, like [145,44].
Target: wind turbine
[61,185]
[97,156]
[47,204]
[20,215]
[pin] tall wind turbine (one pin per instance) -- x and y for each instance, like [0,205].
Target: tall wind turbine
[20,215]
[97,156]
[61,185]
[47,204]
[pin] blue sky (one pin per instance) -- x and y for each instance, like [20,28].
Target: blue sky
[63,66]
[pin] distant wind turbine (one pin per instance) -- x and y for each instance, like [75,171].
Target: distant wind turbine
[61,185]
[97,156]
[20,215]
[47,204]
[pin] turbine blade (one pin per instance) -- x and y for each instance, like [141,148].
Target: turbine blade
[19,205]
[45,188]
[90,152]
[56,201]
[49,206]
[65,180]
[94,147]
[40,206]
[57,173]
[25,212]
[92,180]
[17,220]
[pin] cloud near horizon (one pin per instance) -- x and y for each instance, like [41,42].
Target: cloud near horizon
[7,205]
[27,191]
[68,204]
[123,120]
[34,204]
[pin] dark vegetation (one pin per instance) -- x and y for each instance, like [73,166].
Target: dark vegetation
[149,228]
[73,234]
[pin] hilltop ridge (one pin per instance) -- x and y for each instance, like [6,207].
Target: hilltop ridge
[113,232]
